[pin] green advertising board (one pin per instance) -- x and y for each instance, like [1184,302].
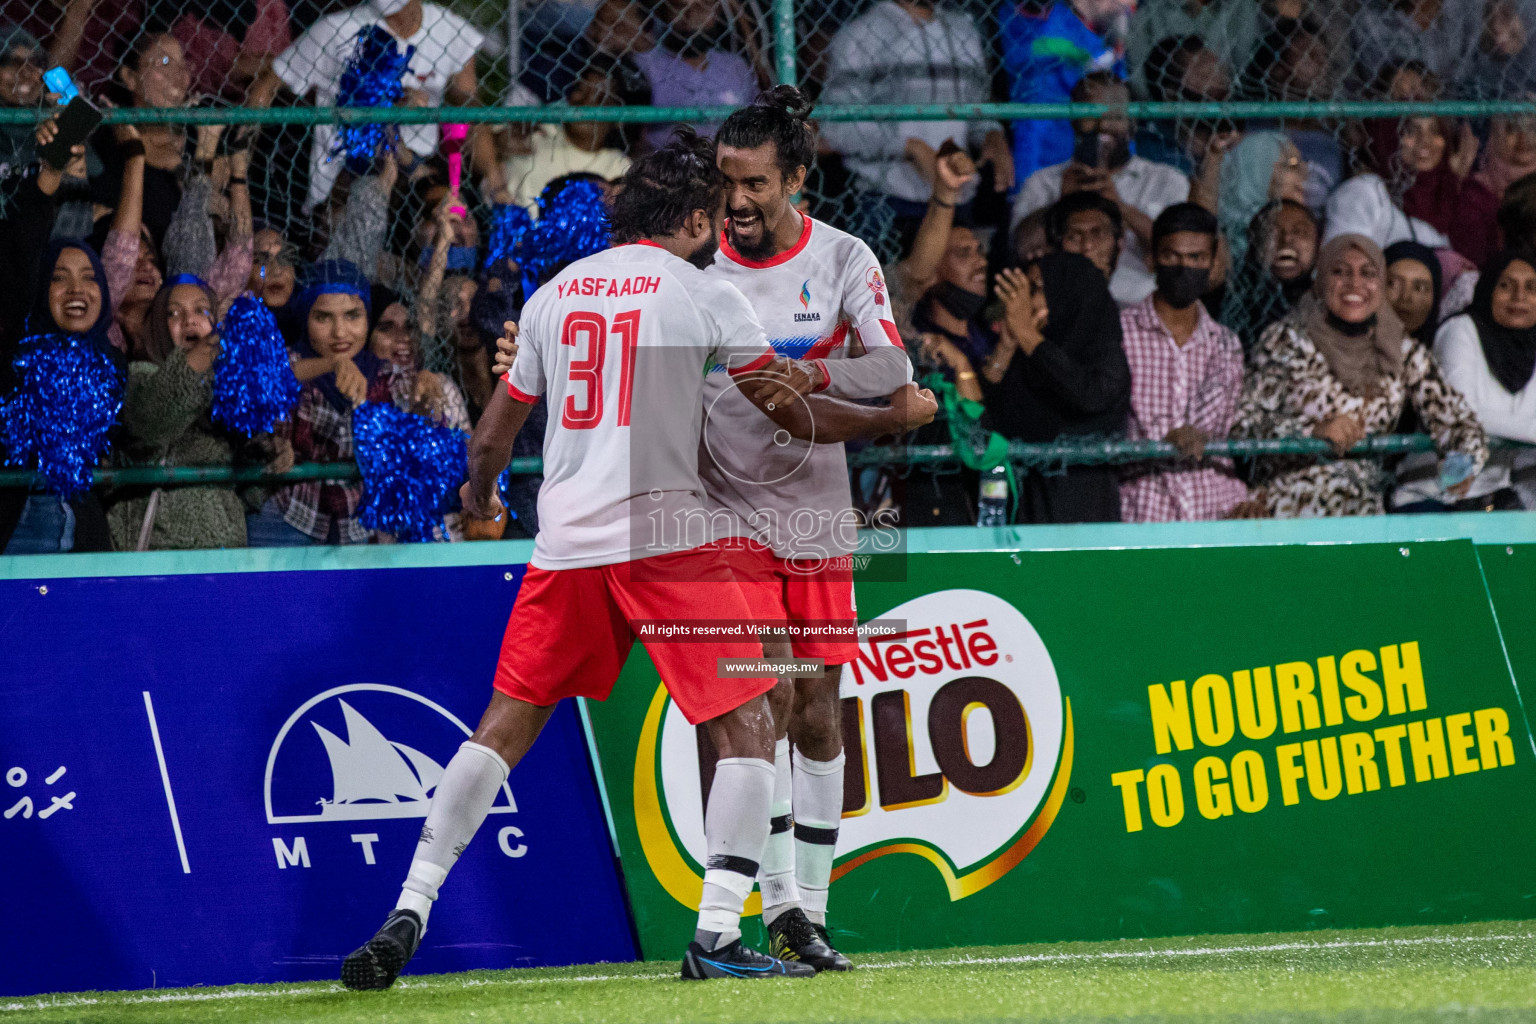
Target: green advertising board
[1510,572]
[1094,741]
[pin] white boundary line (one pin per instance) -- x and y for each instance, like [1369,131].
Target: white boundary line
[45,1003]
[165,777]
[1147,954]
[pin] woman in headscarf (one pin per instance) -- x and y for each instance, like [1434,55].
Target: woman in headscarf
[166,420]
[1060,370]
[331,309]
[1427,163]
[1510,153]
[1263,166]
[1489,355]
[1413,289]
[72,298]
[1341,368]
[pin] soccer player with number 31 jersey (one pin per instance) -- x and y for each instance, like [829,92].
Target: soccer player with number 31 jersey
[620,345]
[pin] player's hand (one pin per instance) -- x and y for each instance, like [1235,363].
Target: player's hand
[914,406]
[506,351]
[783,381]
[351,382]
[490,509]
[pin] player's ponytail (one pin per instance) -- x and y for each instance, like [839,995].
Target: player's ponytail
[782,115]
[790,99]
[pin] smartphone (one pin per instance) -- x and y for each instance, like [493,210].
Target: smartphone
[1086,150]
[75,125]
[58,81]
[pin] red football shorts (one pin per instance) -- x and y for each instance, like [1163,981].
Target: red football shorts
[571,631]
[809,594]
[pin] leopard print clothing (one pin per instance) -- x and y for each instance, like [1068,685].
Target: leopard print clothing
[1290,390]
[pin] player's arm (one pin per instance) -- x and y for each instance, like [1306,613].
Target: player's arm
[879,363]
[823,419]
[490,448]
[870,375]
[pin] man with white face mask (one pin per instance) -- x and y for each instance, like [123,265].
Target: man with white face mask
[442,65]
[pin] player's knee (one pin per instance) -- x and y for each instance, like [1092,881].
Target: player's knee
[816,727]
[746,731]
[781,702]
[509,726]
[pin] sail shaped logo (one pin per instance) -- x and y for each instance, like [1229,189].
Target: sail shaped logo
[363,752]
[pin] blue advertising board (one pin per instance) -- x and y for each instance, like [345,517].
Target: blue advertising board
[219,777]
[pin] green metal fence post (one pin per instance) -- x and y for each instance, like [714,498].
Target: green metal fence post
[784,40]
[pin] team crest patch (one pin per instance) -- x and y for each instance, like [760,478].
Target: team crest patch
[876,284]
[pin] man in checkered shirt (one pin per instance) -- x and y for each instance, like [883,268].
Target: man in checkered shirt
[1186,379]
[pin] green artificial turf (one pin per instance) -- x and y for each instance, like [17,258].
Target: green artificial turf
[1479,972]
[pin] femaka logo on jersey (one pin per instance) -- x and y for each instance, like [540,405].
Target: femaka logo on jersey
[958,743]
[805,303]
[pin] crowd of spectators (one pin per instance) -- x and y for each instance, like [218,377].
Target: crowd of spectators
[1178,280]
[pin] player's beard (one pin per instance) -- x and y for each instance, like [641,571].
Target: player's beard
[704,256]
[753,250]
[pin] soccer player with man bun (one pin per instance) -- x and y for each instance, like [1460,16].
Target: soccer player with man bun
[616,343]
[820,294]
[759,474]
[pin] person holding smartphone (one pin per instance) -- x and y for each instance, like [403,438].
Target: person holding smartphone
[1102,162]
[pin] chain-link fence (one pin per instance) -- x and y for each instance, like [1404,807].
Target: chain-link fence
[1260,109]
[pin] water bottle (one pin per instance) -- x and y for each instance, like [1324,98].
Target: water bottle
[1454,469]
[992,501]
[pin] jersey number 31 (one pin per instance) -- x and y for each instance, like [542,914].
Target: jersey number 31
[588,334]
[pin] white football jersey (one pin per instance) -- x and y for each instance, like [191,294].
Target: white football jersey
[825,299]
[620,343]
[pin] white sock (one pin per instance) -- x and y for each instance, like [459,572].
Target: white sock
[818,813]
[777,875]
[459,804]
[735,830]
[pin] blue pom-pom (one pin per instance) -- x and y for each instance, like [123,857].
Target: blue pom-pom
[371,78]
[509,224]
[411,470]
[253,382]
[573,224]
[67,397]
